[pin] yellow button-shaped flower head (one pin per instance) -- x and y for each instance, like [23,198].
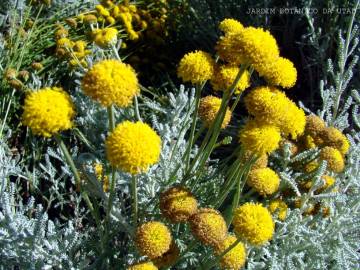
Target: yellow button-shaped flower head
[133,147]
[209,108]
[208,226]
[196,67]
[281,72]
[178,204]
[48,111]
[153,239]
[111,82]
[224,77]
[143,266]
[105,37]
[230,26]
[278,208]
[335,138]
[256,45]
[265,181]
[259,138]
[233,259]
[253,223]
[314,125]
[335,161]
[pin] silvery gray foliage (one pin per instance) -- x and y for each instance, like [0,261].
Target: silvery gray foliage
[28,238]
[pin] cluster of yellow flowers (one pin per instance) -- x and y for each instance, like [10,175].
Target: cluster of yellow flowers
[177,204]
[74,51]
[16,79]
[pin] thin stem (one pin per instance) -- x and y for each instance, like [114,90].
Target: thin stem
[111,116]
[136,107]
[134,196]
[7,112]
[193,125]
[76,174]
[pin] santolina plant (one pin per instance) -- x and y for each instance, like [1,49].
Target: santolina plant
[152,185]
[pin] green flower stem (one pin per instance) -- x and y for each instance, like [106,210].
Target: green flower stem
[193,124]
[76,174]
[134,196]
[111,116]
[7,112]
[212,263]
[189,248]
[137,111]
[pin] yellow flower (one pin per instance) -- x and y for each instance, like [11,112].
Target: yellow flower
[335,138]
[208,226]
[335,161]
[102,11]
[64,43]
[105,37]
[256,45]
[259,138]
[328,181]
[48,111]
[178,204]
[311,166]
[142,266]
[168,258]
[279,208]
[90,19]
[196,67]
[253,223]
[271,106]
[226,51]
[224,77]
[314,125]
[98,169]
[133,147]
[265,181]
[281,72]
[209,108]
[153,239]
[230,26]
[111,82]
[233,259]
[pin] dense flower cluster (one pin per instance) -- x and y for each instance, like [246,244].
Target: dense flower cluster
[133,147]
[111,82]
[196,67]
[265,181]
[209,108]
[48,111]
[236,257]
[253,223]
[105,37]
[153,239]
[225,75]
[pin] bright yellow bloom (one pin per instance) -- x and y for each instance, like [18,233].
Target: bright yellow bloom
[48,111]
[259,138]
[133,147]
[335,138]
[208,226]
[111,82]
[142,266]
[256,45]
[209,108]
[226,51]
[105,37]
[64,43]
[335,161]
[178,204]
[224,77]
[281,72]
[265,181]
[196,67]
[168,258]
[278,208]
[230,26]
[233,259]
[253,223]
[153,239]
[314,125]
[271,106]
